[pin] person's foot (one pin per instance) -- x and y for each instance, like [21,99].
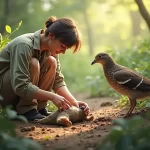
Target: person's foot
[44,112]
[33,114]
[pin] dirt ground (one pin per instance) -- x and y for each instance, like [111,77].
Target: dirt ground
[80,136]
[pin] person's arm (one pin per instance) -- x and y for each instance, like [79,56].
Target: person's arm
[63,91]
[60,88]
[58,100]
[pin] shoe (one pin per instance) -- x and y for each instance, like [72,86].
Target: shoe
[32,115]
[44,112]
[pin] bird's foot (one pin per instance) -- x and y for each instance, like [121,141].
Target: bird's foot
[127,116]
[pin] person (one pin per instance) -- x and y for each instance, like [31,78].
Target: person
[30,70]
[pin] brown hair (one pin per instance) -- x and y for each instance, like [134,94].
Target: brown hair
[65,30]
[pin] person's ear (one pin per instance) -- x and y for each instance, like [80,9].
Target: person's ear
[51,36]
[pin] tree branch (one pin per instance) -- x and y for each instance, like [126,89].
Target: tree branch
[143,11]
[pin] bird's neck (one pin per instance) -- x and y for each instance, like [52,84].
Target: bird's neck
[109,64]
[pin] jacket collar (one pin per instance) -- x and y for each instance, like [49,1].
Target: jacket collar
[36,37]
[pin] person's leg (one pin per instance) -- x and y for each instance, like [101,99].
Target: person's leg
[6,91]
[47,77]
[27,108]
[27,105]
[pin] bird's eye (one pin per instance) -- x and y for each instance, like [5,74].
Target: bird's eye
[100,56]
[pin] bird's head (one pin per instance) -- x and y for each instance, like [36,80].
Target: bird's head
[101,58]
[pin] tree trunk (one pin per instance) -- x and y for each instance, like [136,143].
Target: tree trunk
[89,30]
[135,20]
[143,11]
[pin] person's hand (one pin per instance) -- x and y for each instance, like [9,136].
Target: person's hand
[75,103]
[86,107]
[60,102]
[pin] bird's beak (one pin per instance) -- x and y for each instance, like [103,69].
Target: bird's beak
[93,62]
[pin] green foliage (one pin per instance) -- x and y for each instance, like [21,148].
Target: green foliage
[129,134]
[8,137]
[123,101]
[98,86]
[75,68]
[4,40]
[51,107]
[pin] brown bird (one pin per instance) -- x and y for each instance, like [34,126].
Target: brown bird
[124,80]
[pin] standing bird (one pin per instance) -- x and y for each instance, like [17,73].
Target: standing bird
[124,80]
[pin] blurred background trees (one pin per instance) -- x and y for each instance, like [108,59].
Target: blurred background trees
[116,26]
[102,23]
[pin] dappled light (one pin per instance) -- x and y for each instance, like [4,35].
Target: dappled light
[120,28]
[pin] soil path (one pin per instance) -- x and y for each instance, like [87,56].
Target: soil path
[80,136]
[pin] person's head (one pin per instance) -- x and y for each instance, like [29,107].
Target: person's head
[63,34]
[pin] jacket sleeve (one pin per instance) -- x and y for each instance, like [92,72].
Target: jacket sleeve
[20,57]
[59,78]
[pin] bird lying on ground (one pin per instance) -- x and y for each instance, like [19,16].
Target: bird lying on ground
[124,80]
[66,117]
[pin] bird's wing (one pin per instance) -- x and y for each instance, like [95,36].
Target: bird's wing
[132,79]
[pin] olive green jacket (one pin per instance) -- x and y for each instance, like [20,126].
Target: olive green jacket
[16,56]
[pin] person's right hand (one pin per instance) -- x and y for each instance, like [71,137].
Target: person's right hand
[60,102]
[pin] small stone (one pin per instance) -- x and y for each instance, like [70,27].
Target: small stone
[57,135]
[33,128]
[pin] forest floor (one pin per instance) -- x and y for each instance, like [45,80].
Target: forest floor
[80,136]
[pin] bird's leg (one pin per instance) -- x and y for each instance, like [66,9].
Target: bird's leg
[132,106]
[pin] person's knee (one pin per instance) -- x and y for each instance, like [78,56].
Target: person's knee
[52,62]
[35,66]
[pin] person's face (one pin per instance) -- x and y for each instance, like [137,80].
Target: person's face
[55,46]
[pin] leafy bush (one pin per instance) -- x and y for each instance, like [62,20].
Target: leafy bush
[4,40]
[8,137]
[123,101]
[51,107]
[130,134]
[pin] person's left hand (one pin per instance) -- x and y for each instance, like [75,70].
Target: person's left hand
[86,107]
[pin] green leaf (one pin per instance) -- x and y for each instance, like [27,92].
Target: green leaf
[22,118]
[20,23]
[122,122]
[6,125]
[125,143]
[11,113]
[4,42]
[31,144]
[134,122]
[8,28]
[115,134]
[142,135]
[1,37]
[147,115]
[148,104]
[11,143]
